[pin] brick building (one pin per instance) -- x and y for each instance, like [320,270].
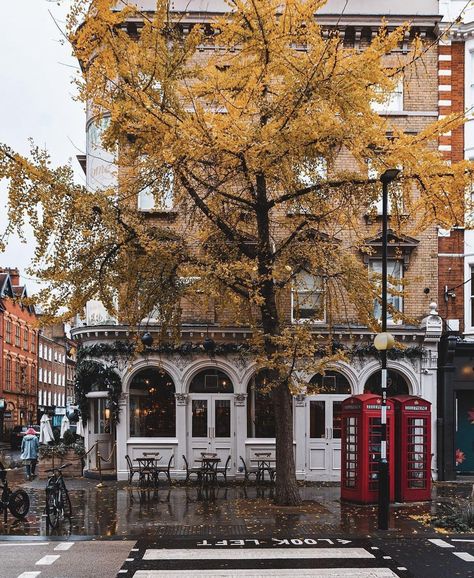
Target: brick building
[18,349]
[185,401]
[51,377]
[456,253]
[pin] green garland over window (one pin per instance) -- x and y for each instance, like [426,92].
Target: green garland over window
[94,376]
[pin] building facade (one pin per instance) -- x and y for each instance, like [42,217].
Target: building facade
[51,378]
[18,387]
[204,393]
[456,253]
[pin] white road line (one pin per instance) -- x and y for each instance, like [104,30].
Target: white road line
[440,543]
[29,574]
[47,560]
[64,546]
[286,573]
[130,560]
[464,556]
[28,544]
[255,554]
[460,540]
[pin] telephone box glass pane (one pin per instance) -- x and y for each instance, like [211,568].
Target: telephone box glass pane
[199,419]
[417,453]
[317,419]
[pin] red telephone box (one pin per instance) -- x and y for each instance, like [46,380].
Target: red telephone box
[361,434]
[412,448]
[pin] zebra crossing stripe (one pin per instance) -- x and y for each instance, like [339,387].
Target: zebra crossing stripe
[256,554]
[262,572]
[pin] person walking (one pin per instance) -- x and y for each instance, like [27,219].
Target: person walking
[29,452]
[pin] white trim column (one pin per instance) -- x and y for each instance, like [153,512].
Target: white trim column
[181,429]
[240,407]
[300,435]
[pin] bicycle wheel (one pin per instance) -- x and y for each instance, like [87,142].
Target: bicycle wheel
[53,512]
[66,501]
[19,503]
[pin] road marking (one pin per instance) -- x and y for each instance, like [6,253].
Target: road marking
[464,556]
[402,568]
[440,543]
[460,540]
[64,546]
[287,573]
[29,574]
[47,560]
[255,554]
[130,560]
[25,544]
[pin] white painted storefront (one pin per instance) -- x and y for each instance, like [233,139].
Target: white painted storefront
[209,407]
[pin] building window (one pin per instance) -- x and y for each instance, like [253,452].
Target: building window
[33,341]
[308,298]
[260,412]
[162,189]
[8,373]
[152,405]
[394,287]
[17,335]
[393,101]
[17,374]
[8,331]
[25,338]
[33,376]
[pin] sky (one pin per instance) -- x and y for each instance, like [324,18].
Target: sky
[36,100]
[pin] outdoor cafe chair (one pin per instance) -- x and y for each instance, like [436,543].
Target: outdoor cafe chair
[249,471]
[223,469]
[132,470]
[164,469]
[191,471]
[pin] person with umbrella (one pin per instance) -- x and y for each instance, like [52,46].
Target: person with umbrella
[29,452]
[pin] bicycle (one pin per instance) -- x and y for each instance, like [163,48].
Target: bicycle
[58,503]
[18,501]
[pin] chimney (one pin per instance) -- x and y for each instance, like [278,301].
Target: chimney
[14,275]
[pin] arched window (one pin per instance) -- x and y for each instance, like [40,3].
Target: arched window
[260,412]
[152,404]
[331,382]
[211,381]
[396,384]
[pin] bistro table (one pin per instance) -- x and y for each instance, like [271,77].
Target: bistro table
[147,470]
[265,463]
[208,473]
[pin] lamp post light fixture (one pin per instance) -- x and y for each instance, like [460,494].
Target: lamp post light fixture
[382,342]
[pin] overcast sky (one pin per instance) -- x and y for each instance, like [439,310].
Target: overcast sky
[36,99]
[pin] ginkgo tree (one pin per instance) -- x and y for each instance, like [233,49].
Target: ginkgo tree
[246,117]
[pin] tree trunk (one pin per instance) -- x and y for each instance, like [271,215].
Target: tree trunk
[287,492]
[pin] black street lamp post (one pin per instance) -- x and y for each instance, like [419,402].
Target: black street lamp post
[384,341]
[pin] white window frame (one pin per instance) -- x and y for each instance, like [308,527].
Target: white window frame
[295,291]
[393,101]
[319,166]
[146,199]
[391,299]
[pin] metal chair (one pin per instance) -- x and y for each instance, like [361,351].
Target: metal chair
[166,470]
[191,471]
[132,470]
[249,471]
[223,469]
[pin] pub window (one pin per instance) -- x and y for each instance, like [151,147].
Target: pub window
[152,405]
[260,412]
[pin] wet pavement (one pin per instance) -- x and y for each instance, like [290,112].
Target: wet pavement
[118,510]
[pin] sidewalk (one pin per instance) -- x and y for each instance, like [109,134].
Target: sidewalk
[117,510]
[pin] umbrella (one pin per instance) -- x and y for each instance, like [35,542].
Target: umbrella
[64,426]
[80,427]
[46,432]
